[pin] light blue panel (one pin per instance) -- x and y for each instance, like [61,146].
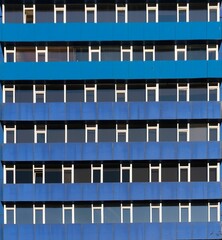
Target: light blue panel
[184,191]
[152,191]
[121,151]
[106,231]
[138,191]
[169,231]
[89,151]
[201,112]
[184,151]
[57,194]
[26,151]
[214,230]
[42,192]
[90,191]
[213,189]
[73,231]
[8,152]
[199,150]
[105,151]
[24,191]
[137,151]
[200,231]
[137,110]
[9,111]
[214,148]
[56,151]
[121,111]
[105,110]
[168,150]
[42,232]
[197,192]
[91,232]
[73,192]
[153,231]
[213,110]
[105,191]
[169,190]
[120,191]
[73,152]
[184,231]
[184,110]
[24,111]
[25,232]
[121,232]
[40,111]
[152,151]
[10,232]
[136,232]
[73,111]
[9,193]
[57,231]
[57,111]
[41,151]
[168,111]
[152,111]
[89,111]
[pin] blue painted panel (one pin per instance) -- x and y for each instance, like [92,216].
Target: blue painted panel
[110,70]
[48,32]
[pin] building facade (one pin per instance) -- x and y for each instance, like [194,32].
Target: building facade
[110,120]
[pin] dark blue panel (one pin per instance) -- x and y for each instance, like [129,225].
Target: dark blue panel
[184,231]
[57,151]
[137,151]
[153,231]
[89,151]
[89,111]
[105,151]
[121,151]
[169,231]
[121,111]
[73,111]
[105,111]
[168,111]
[56,111]
[137,111]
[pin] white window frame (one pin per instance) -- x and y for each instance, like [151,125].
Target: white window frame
[6,51]
[150,7]
[155,88]
[3,13]
[213,205]
[121,91]
[183,130]
[94,49]
[182,167]
[149,50]
[129,168]
[91,127]
[91,8]
[156,206]
[66,168]
[152,127]
[40,50]
[90,87]
[185,206]
[8,129]
[183,7]
[212,49]
[179,49]
[97,168]
[35,208]
[97,207]
[8,89]
[29,8]
[6,169]
[121,8]
[213,7]
[122,130]
[126,49]
[9,209]
[183,87]
[60,9]
[213,87]
[42,92]
[41,131]
[213,126]
[216,167]
[64,208]
[37,169]
[155,167]
[127,206]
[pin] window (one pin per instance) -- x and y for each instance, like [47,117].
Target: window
[68,213]
[125,173]
[152,92]
[152,12]
[39,214]
[148,53]
[213,212]
[155,172]
[97,213]
[90,93]
[183,92]
[213,92]
[91,133]
[183,12]
[9,214]
[126,53]
[183,132]
[121,13]
[155,212]
[29,13]
[122,133]
[212,51]
[9,54]
[9,93]
[213,172]
[213,132]
[184,172]
[9,174]
[184,212]
[10,134]
[39,93]
[96,173]
[121,93]
[213,12]
[40,133]
[90,13]
[38,173]
[41,54]
[180,52]
[126,213]
[68,173]
[152,132]
[60,13]
[94,53]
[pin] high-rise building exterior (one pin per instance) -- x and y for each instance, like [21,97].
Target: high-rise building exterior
[110,120]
